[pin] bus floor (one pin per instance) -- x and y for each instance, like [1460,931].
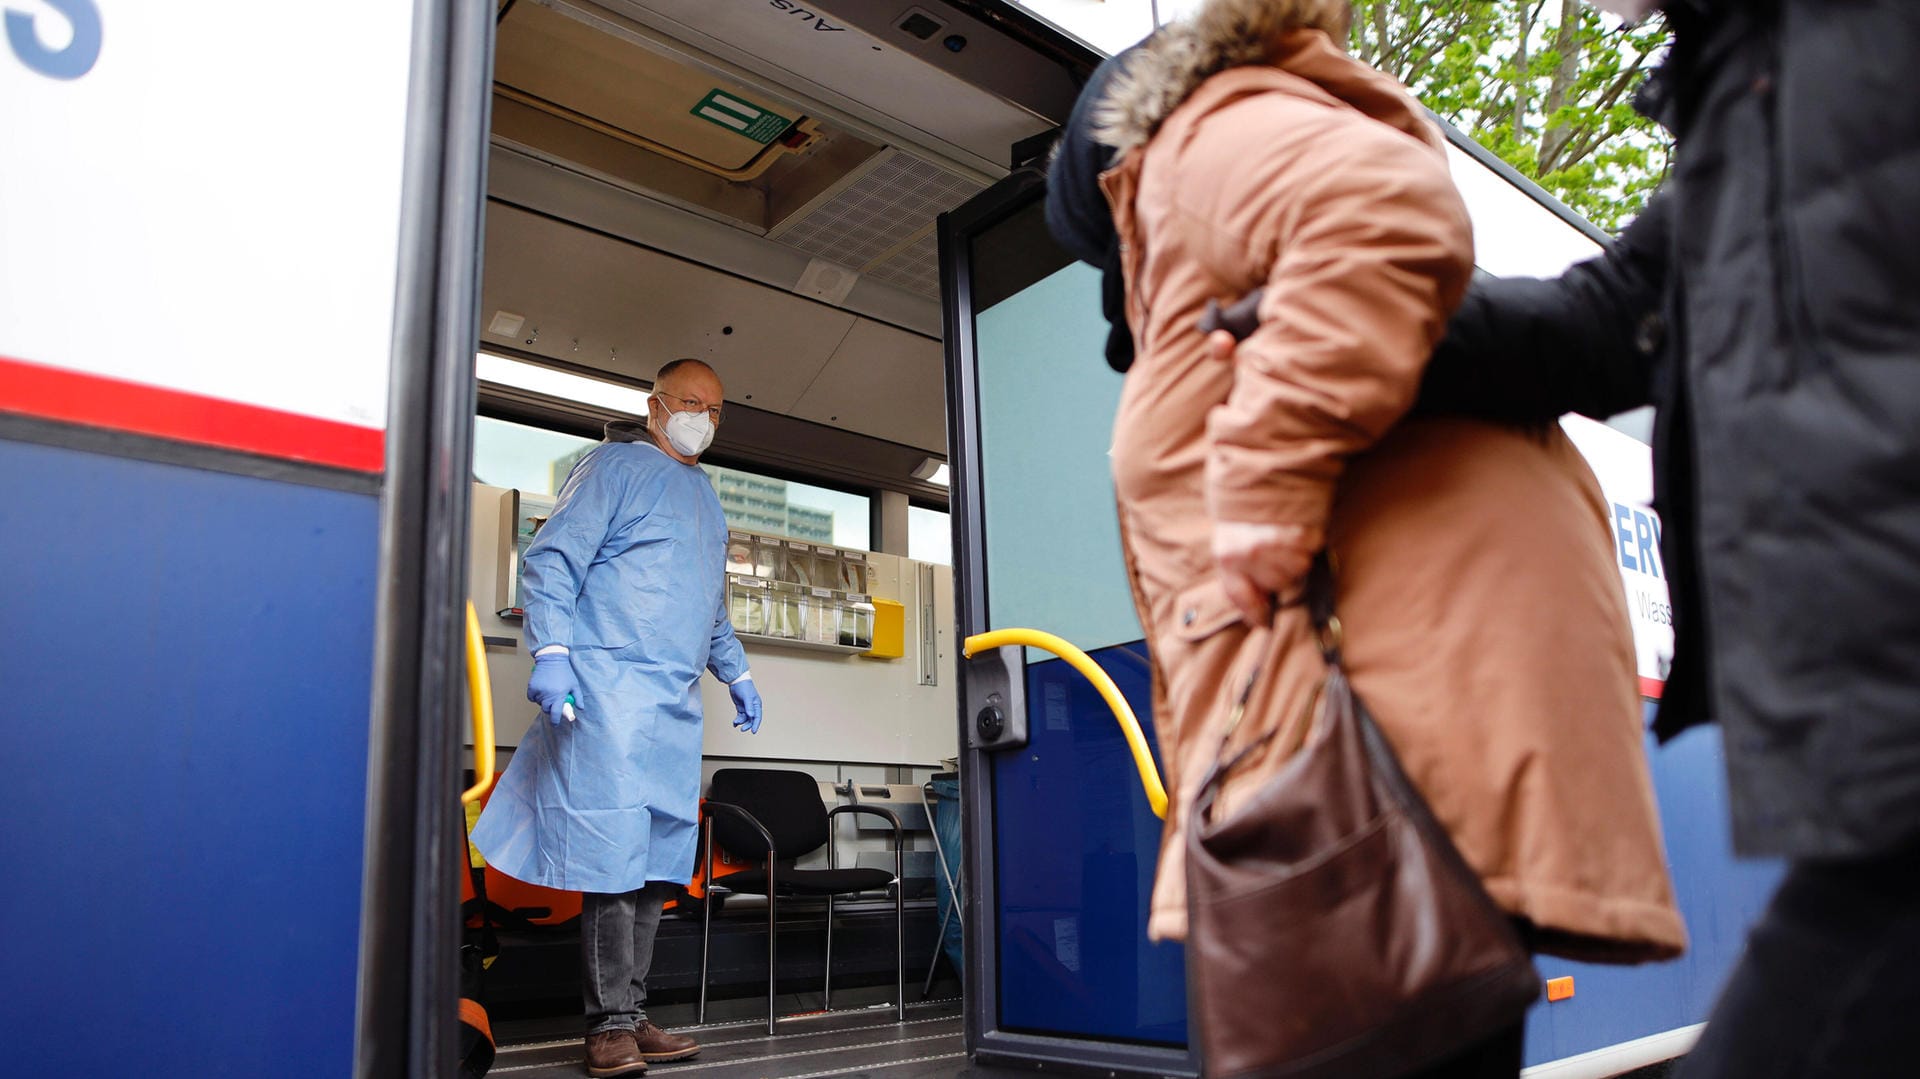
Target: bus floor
[855,1039]
[846,1043]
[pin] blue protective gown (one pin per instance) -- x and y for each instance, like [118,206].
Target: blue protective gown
[629,573]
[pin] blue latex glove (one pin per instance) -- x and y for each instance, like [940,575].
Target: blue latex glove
[553,685]
[746,702]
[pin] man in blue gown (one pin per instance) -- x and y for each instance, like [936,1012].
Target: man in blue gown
[625,600]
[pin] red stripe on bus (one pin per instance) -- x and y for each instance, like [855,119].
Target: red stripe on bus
[96,401]
[1651,688]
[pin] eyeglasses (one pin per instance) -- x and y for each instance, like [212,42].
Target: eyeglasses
[692,404]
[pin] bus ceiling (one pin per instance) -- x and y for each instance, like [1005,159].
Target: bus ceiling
[753,183]
[765,115]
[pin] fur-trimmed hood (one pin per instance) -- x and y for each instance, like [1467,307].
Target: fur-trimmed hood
[1223,34]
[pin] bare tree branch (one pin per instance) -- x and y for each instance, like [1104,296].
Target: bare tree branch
[1380,27]
[1522,85]
[1555,136]
[1591,140]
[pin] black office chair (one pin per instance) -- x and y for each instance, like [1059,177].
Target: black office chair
[779,814]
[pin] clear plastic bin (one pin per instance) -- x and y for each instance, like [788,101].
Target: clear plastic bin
[789,613]
[797,564]
[740,554]
[853,573]
[856,622]
[823,617]
[766,558]
[748,605]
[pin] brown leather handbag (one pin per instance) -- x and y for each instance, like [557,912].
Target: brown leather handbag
[1334,929]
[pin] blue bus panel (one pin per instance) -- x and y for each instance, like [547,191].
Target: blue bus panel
[1076,844]
[188,676]
[1720,897]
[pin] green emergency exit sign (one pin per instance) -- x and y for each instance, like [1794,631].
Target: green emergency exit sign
[741,117]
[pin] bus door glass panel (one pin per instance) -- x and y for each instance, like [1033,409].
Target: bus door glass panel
[1074,842]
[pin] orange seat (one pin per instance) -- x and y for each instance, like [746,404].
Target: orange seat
[519,904]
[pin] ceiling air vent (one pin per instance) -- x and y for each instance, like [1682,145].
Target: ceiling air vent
[882,223]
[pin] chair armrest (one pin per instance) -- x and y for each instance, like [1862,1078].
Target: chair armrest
[833,839]
[878,811]
[726,809]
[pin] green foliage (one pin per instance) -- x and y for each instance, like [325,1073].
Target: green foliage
[1545,84]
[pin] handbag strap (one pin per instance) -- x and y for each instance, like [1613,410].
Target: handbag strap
[1317,597]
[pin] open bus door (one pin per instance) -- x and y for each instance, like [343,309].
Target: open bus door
[1059,835]
[236,379]
[1061,838]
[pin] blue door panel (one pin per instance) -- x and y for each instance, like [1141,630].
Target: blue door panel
[187,679]
[1719,895]
[1076,844]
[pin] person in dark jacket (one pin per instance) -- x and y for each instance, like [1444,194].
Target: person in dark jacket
[1767,303]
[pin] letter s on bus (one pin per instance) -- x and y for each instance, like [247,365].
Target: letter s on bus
[80,53]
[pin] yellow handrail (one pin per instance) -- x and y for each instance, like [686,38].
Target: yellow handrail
[1080,661]
[480,690]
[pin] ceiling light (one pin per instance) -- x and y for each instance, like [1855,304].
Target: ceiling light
[933,470]
[561,384]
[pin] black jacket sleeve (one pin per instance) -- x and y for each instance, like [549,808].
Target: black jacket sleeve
[1526,350]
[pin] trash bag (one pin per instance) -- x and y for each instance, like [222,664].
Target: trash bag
[946,824]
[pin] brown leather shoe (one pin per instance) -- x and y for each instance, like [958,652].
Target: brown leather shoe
[612,1052]
[657,1045]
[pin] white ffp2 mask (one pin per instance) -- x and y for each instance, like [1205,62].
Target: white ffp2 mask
[690,433]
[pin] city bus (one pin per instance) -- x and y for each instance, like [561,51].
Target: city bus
[303,318]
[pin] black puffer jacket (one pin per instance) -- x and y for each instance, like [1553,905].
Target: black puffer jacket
[1768,304]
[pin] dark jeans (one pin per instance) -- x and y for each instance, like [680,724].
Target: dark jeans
[1826,987]
[1496,1058]
[616,948]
